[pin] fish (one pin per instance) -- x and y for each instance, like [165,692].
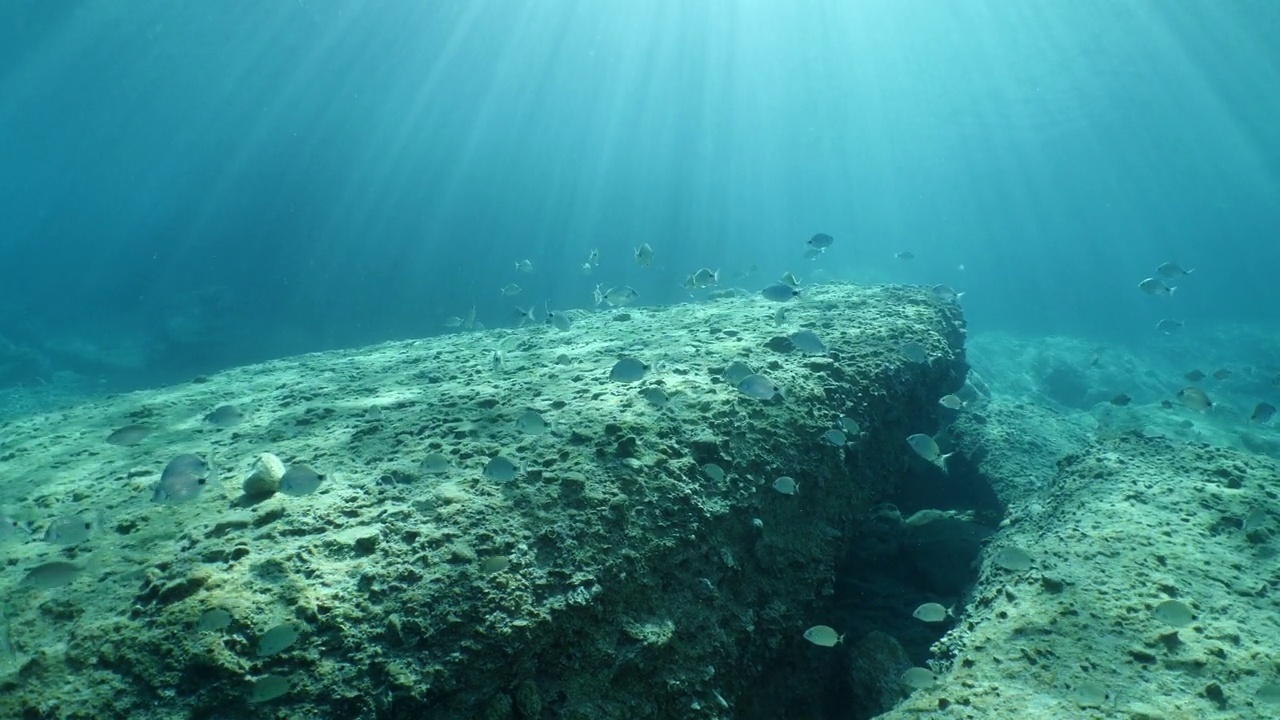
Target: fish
[524,266]
[559,320]
[593,257]
[835,437]
[1152,286]
[905,255]
[628,370]
[1121,400]
[808,342]
[789,279]
[587,268]
[1169,326]
[1221,374]
[469,321]
[644,255]
[1262,412]
[779,292]
[714,471]
[759,387]
[1195,398]
[277,640]
[1166,404]
[495,564]
[524,316]
[300,480]
[621,295]
[1174,613]
[849,426]
[927,448]
[705,278]
[268,687]
[1011,558]
[453,321]
[914,351]
[932,613]
[918,678]
[951,402]
[435,463]
[823,635]
[786,485]
[182,479]
[946,293]
[54,574]
[213,620]
[598,294]
[73,529]
[655,396]
[812,254]
[11,529]
[500,470]
[129,435]
[820,242]
[510,289]
[1195,376]
[224,416]
[736,372]
[1172,270]
[531,423]
[1256,518]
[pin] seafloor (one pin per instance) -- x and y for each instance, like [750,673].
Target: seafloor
[616,576]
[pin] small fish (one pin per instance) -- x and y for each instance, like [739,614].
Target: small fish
[494,564]
[1256,518]
[918,678]
[500,470]
[951,402]
[628,370]
[453,321]
[946,293]
[1262,412]
[823,635]
[850,426]
[213,620]
[690,283]
[524,266]
[496,361]
[587,268]
[1152,286]
[644,255]
[598,294]
[835,437]
[932,613]
[1195,398]
[808,342]
[593,257]
[622,295]
[820,242]
[1221,374]
[55,574]
[1169,326]
[1121,400]
[789,279]
[469,322]
[300,480]
[705,278]
[812,254]
[759,387]
[268,687]
[714,471]
[736,372]
[511,289]
[277,640]
[1172,270]
[73,529]
[524,317]
[780,315]
[1166,404]
[655,396]
[224,416]
[905,255]
[1173,613]
[531,423]
[786,485]
[129,435]
[435,463]
[927,448]
[1195,376]
[1011,558]
[182,479]
[11,529]
[779,292]
[914,351]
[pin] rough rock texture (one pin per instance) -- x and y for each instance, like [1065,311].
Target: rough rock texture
[1125,523]
[612,578]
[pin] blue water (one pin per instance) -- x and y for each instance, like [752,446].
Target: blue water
[188,186]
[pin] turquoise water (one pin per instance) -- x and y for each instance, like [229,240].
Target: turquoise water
[190,187]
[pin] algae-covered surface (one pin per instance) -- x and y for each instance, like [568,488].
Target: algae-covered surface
[613,576]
